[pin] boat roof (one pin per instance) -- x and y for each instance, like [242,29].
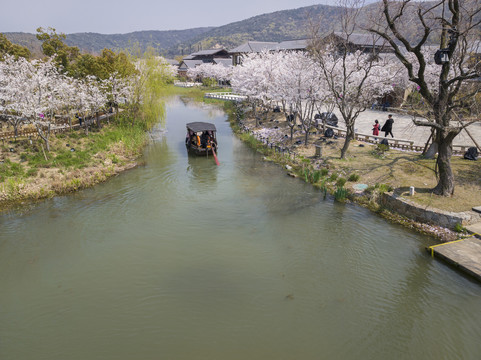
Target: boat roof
[200,126]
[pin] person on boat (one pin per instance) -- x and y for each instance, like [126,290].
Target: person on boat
[211,141]
[204,139]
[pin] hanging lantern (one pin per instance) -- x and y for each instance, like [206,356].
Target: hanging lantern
[441,56]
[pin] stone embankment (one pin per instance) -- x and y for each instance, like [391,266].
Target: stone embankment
[427,214]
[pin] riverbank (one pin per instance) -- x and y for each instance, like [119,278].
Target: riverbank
[76,160]
[366,174]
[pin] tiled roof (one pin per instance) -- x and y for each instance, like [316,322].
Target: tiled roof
[364,39]
[190,64]
[208,52]
[223,61]
[293,44]
[172,62]
[254,46]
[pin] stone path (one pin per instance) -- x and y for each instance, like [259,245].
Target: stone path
[404,128]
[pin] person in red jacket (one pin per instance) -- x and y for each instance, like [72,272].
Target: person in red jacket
[375,128]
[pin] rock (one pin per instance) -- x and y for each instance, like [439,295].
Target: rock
[471,154]
[288,167]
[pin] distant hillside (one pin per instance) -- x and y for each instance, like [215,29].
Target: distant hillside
[276,26]
[27,40]
[94,43]
[160,40]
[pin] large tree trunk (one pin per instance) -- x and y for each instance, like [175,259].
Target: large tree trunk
[97,117]
[349,137]
[445,184]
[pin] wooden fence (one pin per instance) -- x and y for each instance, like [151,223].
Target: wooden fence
[225,96]
[394,142]
[53,130]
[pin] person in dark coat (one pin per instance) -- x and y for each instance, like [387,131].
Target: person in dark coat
[387,127]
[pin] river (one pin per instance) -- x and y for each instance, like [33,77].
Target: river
[183,259]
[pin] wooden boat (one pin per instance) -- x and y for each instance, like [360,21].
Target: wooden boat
[201,138]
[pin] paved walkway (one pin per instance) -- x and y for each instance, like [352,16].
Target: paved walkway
[404,128]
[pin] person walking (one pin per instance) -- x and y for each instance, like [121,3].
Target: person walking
[387,127]
[375,128]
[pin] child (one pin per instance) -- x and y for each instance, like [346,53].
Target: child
[375,129]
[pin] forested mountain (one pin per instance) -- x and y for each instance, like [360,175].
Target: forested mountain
[94,42]
[276,26]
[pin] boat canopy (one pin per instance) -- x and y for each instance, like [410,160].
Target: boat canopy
[200,126]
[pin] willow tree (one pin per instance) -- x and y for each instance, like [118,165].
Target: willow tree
[153,73]
[446,90]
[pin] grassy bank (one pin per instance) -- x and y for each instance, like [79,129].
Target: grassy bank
[75,160]
[379,169]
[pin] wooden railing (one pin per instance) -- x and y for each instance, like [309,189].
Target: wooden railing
[225,96]
[394,142]
[186,84]
[53,130]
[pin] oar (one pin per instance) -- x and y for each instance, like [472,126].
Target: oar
[215,156]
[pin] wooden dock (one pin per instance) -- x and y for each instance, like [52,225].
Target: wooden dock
[464,254]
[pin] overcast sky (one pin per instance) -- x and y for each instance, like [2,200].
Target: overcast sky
[121,16]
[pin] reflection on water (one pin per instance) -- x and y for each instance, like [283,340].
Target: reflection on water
[183,259]
[202,171]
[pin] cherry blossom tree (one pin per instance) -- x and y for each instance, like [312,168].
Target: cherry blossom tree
[96,99]
[254,79]
[297,84]
[354,78]
[218,72]
[11,91]
[452,100]
[117,89]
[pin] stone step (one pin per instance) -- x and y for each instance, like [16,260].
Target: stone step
[464,254]
[475,229]
[477,209]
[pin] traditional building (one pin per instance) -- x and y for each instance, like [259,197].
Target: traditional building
[367,43]
[208,55]
[204,56]
[250,47]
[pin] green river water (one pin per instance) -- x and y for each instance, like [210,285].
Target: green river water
[183,259]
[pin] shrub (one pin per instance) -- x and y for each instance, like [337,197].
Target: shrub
[316,176]
[324,172]
[333,177]
[323,188]
[340,193]
[353,177]
[341,182]
[459,228]
[382,188]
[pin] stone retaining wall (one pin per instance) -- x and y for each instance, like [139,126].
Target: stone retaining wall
[426,214]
